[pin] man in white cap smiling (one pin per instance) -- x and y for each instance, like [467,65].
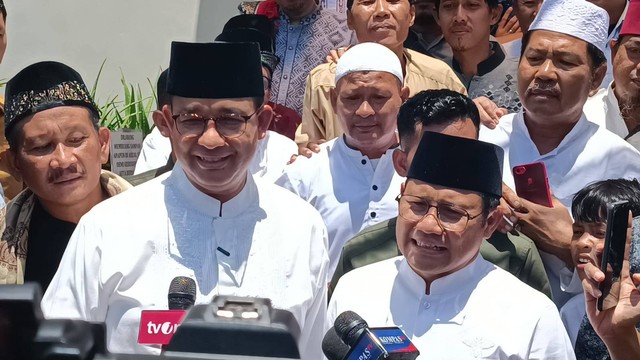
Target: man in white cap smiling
[351,181]
[562,64]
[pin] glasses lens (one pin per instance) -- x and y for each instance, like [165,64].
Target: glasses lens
[452,218]
[190,124]
[230,125]
[412,209]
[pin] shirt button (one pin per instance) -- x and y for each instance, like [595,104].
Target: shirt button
[374,187]
[290,47]
[285,77]
[373,214]
[290,27]
[363,162]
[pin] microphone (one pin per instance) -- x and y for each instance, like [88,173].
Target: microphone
[333,347]
[372,344]
[158,326]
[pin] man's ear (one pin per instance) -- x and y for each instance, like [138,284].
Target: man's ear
[596,79]
[412,14]
[158,120]
[104,136]
[400,163]
[492,222]
[264,120]
[496,14]
[12,161]
[404,93]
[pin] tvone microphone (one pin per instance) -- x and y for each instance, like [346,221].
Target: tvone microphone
[158,326]
[333,347]
[372,344]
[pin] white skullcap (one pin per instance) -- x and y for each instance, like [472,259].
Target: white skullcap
[578,18]
[369,57]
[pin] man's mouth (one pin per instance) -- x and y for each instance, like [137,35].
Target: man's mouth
[66,178]
[429,246]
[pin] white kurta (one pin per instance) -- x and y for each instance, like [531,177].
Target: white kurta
[478,312]
[126,251]
[343,185]
[587,154]
[272,154]
[603,109]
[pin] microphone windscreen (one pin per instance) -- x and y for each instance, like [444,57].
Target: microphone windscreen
[349,326]
[182,293]
[333,347]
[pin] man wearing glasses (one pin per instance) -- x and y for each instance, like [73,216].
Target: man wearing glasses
[208,219]
[449,300]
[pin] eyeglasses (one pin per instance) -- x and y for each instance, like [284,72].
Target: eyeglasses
[227,125]
[449,217]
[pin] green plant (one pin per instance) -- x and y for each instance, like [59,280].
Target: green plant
[129,113]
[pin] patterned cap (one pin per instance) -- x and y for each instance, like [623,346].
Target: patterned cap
[578,18]
[42,86]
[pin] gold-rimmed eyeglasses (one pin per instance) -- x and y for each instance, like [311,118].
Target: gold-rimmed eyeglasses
[227,125]
[449,217]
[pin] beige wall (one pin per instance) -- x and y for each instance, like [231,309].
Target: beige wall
[133,35]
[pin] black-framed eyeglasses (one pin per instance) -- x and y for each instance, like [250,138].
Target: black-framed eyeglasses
[449,217]
[227,125]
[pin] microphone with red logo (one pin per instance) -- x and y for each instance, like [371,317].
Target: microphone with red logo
[158,326]
[372,344]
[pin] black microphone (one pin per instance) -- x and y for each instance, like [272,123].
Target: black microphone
[372,344]
[182,293]
[333,347]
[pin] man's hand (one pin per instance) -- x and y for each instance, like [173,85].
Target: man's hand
[490,113]
[307,149]
[615,326]
[508,26]
[336,54]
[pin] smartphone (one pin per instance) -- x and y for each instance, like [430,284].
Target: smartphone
[613,255]
[532,183]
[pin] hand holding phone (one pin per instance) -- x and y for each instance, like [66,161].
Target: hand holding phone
[532,183]
[613,253]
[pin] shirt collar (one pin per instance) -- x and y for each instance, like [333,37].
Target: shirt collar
[354,153]
[209,205]
[307,20]
[489,64]
[575,132]
[450,285]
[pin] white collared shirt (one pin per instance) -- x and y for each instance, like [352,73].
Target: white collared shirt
[127,249]
[480,311]
[603,109]
[588,153]
[345,187]
[272,154]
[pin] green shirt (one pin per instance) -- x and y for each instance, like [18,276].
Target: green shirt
[515,254]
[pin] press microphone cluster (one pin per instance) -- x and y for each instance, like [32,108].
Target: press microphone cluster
[350,338]
[229,328]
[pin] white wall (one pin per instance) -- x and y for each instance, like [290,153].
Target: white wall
[133,35]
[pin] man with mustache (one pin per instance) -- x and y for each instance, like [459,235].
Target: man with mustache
[481,64]
[58,148]
[618,106]
[449,300]
[385,22]
[208,219]
[351,181]
[563,63]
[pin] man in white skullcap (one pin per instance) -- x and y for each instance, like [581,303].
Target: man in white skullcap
[562,64]
[351,181]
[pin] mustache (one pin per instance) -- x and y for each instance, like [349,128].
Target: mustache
[58,173]
[538,88]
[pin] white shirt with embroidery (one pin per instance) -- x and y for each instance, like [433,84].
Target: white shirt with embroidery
[126,251]
[348,191]
[478,312]
[588,153]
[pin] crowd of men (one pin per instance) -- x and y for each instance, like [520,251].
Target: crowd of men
[349,155]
